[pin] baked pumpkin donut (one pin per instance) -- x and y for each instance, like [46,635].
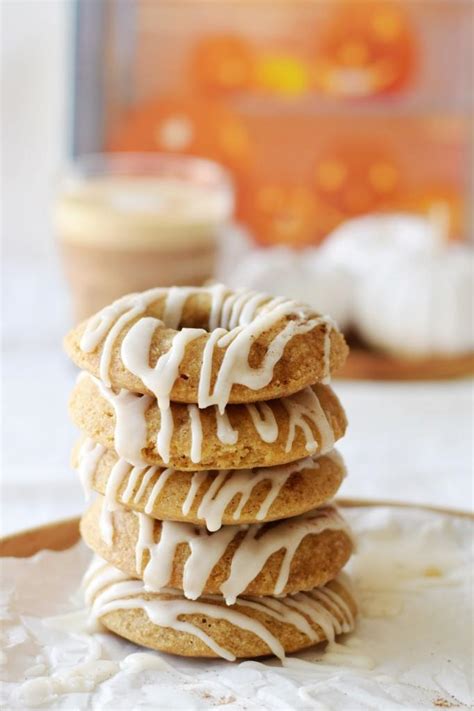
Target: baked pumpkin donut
[184,437]
[207,627]
[262,559]
[211,498]
[207,345]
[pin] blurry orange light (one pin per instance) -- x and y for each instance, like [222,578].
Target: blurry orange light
[331,174]
[383,177]
[223,63]
[282,74]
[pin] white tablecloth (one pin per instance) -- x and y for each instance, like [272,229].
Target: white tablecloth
[406,441]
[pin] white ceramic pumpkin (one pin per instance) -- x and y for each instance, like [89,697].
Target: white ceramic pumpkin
[421,306]
[361,245]
[301,275]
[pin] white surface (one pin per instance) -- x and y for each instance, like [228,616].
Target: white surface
[405,442]
[35,63]
[411,648]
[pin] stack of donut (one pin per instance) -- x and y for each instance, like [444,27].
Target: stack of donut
[208,431]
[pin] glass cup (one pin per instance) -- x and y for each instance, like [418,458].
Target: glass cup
[127,222]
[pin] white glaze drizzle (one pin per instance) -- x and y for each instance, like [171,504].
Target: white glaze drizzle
[108,323]
[130,423]
[236,320]
[133,479]
[264,421]
[303,409]
[253,552]
[196,480]
[107,590]
[89,455]
[235,369]
[304,406]
[117,474]
[225,485]
[206,550]
[225,432]
[145,536]
[160,379]
[147,475]
[196,433]
[158,486]
[228,484]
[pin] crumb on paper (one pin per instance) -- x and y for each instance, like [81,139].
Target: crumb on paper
[445,704]
[432,571]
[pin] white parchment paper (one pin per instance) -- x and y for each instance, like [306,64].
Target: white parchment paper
[412,648]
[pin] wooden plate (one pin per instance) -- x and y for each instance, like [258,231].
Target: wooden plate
[364,364]
[60,535]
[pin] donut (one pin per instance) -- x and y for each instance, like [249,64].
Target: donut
[261,559]
[207,345]
[207,627]
[184,437]
[210,498]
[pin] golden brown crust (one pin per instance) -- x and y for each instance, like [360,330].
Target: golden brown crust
[93,414]
[304,490]
[302,362]
[318,558]
[134,625]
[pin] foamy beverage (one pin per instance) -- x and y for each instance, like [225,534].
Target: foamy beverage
[127,223]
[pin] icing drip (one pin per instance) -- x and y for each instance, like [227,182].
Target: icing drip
[109,323]
[241,482]
[89,456]
[144,541]
[225,485]
[196,433]
[235,369]
[253,551]
[147,473]
[236,320]
[165,434]
[174,305]
[264,421]
[130,423]
[118,472]
[225,432]
[155,492]
[136,348]
[130,435]
[107,590]
[304,406]
[196,481]
[133,479]
[205,553]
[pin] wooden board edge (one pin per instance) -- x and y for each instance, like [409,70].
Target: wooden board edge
[60,535]
[365,364]
[55,536]
[354,503]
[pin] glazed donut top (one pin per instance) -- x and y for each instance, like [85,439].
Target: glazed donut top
[207,345]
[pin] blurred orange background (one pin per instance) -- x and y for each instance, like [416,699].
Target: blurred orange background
[321,110]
